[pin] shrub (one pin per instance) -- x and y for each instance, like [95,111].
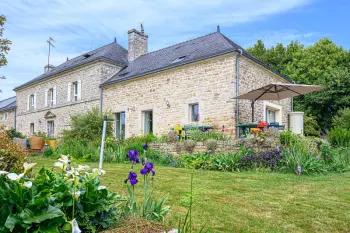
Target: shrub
[47,202]
[12,156]
[190,145]
[49,152]
[286,137]
[311,127]
[342,120]
[339,137]
[78,148]
[87,126]
[12,133]
[211,144]
[267,159]
[198,135]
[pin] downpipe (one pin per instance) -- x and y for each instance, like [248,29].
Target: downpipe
[239,54]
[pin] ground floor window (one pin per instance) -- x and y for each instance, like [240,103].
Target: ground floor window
[119,125]
[194,112]
[270,115]
[51,129]
[147,122]
[31,128]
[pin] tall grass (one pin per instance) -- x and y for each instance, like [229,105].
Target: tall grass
[339,137]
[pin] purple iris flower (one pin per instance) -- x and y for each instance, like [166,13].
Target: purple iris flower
[278,149]
[132,177]
[148,169]
[145,146]
[298,171]
[133,156]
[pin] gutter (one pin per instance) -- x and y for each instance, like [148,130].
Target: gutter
[238,55]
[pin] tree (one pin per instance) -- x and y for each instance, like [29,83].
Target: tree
[4,44]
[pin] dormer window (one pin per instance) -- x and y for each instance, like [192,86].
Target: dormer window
[179,59]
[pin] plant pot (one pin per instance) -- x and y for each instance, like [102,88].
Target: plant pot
[36,143]
[51,143]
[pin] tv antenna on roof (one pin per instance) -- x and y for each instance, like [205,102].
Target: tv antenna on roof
[50,41]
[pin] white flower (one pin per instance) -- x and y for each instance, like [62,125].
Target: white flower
[59,164]
[3,173]
[83,168]
[75,227]
[77,195]
[64,159]
[14,176]
[28,166]
[99,171]
[28,184]
[101,187]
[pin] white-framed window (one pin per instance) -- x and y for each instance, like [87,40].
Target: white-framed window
[119,122]
[272,112]
[51,129]
[31,128]
[6,116]
[271,115]
[32,102]
[194,112]
[76,90]
[147,121]
[51,96]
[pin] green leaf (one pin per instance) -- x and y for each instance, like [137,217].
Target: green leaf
[30,217]
[11,221]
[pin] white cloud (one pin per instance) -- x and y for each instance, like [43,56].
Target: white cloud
[81,25]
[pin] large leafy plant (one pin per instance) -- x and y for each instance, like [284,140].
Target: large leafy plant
[56,202]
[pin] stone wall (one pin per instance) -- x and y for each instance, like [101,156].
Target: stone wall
[91,77]
[10,121]
[211,83]
[178,148]
[208,83]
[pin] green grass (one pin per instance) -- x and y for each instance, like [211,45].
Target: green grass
[246,201]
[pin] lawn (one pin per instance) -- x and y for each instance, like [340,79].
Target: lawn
[246,201]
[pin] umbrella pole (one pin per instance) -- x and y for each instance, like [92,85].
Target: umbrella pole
[253,110]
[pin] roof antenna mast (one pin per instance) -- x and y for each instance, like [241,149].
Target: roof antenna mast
[50,41]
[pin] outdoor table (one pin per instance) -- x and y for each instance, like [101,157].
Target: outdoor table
[245,128]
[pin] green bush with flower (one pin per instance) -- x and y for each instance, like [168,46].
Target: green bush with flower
[69,201]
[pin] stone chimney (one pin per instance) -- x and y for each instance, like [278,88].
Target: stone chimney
[48,68]
[137,43]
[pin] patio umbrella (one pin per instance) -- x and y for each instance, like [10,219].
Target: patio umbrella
[278,91]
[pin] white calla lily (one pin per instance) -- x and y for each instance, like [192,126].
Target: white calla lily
[14,176]
[77,195]
[28,166]
[75,227]
[28,184]
[59,164]
[64,159]
[3,173]
[83,168]
[99,171]
[101,187]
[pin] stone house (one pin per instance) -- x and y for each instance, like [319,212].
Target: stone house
[192,82]
[8,113]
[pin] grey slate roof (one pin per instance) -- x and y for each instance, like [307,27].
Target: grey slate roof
[200,48]
[112,52]
[7,104]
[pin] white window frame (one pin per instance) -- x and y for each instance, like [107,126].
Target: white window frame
[76,91]
[51,97]
[32,102]
[274,107]
[118,132]
[190,113]
[51,127]
[143,125]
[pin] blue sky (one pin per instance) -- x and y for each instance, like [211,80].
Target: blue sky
[79,26]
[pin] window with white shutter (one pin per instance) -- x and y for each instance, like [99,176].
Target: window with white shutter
[69,92]
[79,90]
[28,103]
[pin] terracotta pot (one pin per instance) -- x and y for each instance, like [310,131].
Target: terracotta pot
[36,143]
[51,143]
